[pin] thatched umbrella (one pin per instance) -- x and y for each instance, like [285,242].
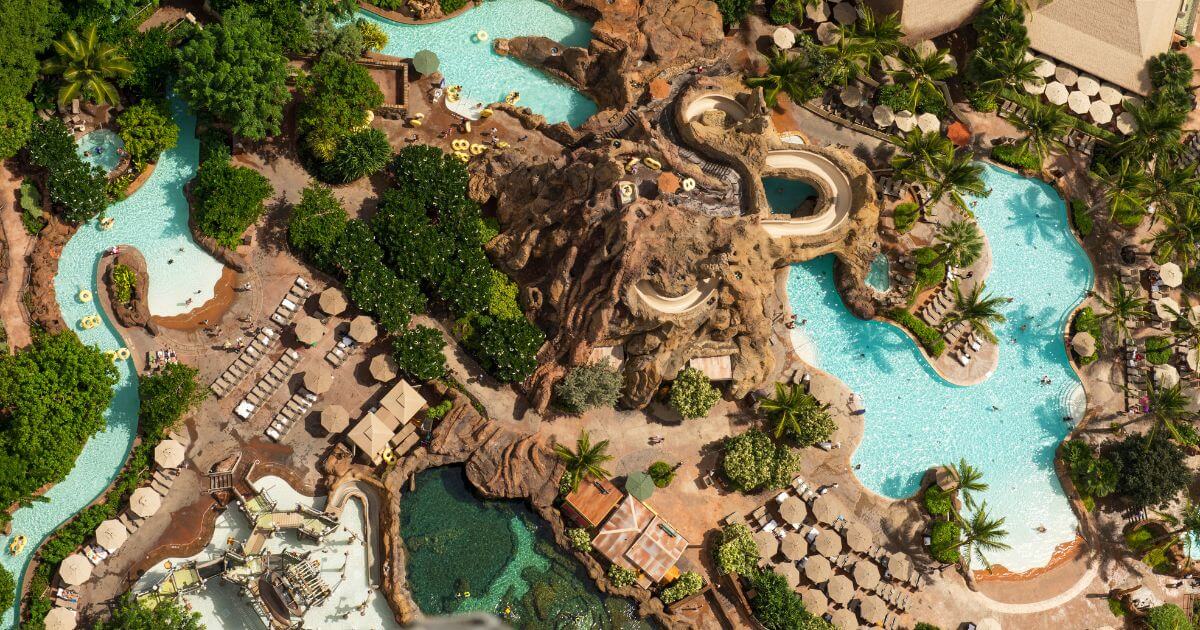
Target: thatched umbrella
[309,330]
[383,368]
[111,534]
[60,618]
[332,301]
[1084,344]
[145,501]
[858,537]
[783,37]
[75,569]
[1079,102]
[844,619]
[168,454]
[335,419]
[1045,68]
[1110,95]
[840,589]
[866,574]
[1066,76]
[789,571]
[640,485]
[318,381]
[793,510]
[363,329]
[1088,85]
[426,62]
[852,96]
[815,601]
[1057,93]
[767,543]
[1034,87]
[828,543]
[1100,112]
[826,509]
[1126,123]
[1170,274]
[817,569]
[905,120]
[872,609]
[929,123]
[884,115]
[899,567]
[794,547]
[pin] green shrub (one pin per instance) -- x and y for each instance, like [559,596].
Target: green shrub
[1159,350]
[228,200]
[783,12]
[316,224]
[946,534]
[507,348]
[687,584]
[8,586]
[152,54]
[124,280]
[16,121]
[929,336]
[358,154]
[733,11]
[662,473]
[736,552]
[692,394]
[31,207]
[938,502]
[1150,472]
[621,577]
[130,614]
[420,352]
[1016,156]
[439,411]
[589,386]
[925,626]
[502,297]
[752,462]
[374,37]
[1087,321]
[450,6]
[1082,217]
[899,98]
[905,215]
[982,101]
[1168,617]
[779,607]
[931,270]
[166,397]
[76,186]
[147,130]
[580,539]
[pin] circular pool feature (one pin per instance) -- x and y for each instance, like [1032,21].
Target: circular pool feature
[102,148]
[879,276]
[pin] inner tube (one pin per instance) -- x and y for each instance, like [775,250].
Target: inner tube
[123,354]
[652,163]
[481,36]
[462,157]
[458,144]
[85,296]
[689,184]
[477,149]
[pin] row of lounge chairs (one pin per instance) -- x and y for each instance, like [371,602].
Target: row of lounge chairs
[341,351]
[296,406]
[245,362]
[160,358]
[297,293]
[266,386]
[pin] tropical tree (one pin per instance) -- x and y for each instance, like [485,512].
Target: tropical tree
[1168,410]
[961,243]
[920,72]
[586,459]
[798,414]
[1184,529]
[1044,124]
[954,175]
[1173,184]
[1158,132]
[1177,237]
[916,154]
[1121,306]
[87,65]
[1127,188]
[977,310]
[873,36]
[787,73]
[982,533]
[1006,67]
[967,479]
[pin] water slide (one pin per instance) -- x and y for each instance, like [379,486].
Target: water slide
[682,304]
[727,104]
[836,209]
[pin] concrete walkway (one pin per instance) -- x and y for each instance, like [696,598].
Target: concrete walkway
[17,243]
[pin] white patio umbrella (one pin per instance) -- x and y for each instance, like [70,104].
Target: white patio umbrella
[1110,94]
[1170,274]
[928,122]
[818,12]
[784,38]
[1126,123]
[1166,308]
[845,12]
[905,120]
[75,569]
[1056,93]
[828,33]
[145,501]
[168,454]
[1045,68]
[60,618]
[883,115]
[1066,76]
[852,96]
[1034,87]
[1100,112]
[111,534]
[1087,85]
[1079,102]
[1166,375]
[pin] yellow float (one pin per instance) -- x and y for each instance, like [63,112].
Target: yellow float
[462,157]
[106,223]
[512,98]
[689,184]
[486,112]
[85,296]
[467,126]
[481,36]
[458,144]
[477,149]
[389,456]
[123,354]
[501,145]
[17,544]
[632,162]
[414,122]
[652,163]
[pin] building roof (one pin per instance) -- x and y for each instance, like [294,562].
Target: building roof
[371,436]
[657,550]
[635,537]
[1111,39]
[593,500]
[621,529]
[403,401]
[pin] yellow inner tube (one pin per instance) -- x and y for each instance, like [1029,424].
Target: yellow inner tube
[481,36]
[459,144]
[415,122]
[652,163]
[85,296]
[477,148]
[123,354]
[689,184]
[502,145]
[485,112]
[462,157]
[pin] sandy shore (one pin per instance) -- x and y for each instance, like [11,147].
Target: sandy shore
[211,311]
[1063,553]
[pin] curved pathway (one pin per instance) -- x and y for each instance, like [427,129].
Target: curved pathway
[16,240]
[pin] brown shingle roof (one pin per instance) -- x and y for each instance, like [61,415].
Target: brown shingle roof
[593,503]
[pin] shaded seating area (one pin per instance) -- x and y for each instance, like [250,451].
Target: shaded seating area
[297,293]
[268,384]
[250,356]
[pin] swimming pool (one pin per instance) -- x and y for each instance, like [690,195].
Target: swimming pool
[487,76]
[1010,424]
[153,219]
[879,275]
[99,148]
[783,195]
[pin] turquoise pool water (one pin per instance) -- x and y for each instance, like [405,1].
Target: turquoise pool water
[99,148]
[783,195]
[1010,424]
[154,219]
[498,553]
[489,77]
[878,277]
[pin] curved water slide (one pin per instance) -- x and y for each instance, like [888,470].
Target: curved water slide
[685,303]
[837,206]
[722,102]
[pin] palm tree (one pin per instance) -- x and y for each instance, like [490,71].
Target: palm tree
[586,460]
[1168,409]
[1126,187]
[917,152]
[956,174]
[1121,306]
[982,533]
[1007,68]
[967,479]
[1044,124]
[875,36]
[1177,237]
[977,310]
[793,410]
[920,72]
[785,73]
[1158,132]
[86,65]
[961,243]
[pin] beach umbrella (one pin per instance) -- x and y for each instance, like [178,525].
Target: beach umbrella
[844,619]
[1056,93]
[815,601]
[145,501]
[60,618]
[783,37]
[1066,76]
[817,569]
[1170,274]
[1132,101]
[828,33]
[640,485]
[309,330]
[883,115]
[793,510]
[866,574]
[1084,344]
[1045,68]
[383,368]
[858,537]
[335,418]
[1034,87]
[794,547]
[75,569]
[1126,123]
[168,454]
[905,120]
[928,123]
[845,13]
[1079,102]
[767,543]
[789,571]
[852,96]
[818,11]
[1100,112]
[828,543]
[840,589]
[1088,85]
[1110,95]
[872,609]
[318,381]
[332,301]
[899,567]
[426,62]
[362,329]
[826,508]
[111,534]
[1166,375]
[1166,308]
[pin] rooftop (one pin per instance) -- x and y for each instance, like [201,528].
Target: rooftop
[593,500]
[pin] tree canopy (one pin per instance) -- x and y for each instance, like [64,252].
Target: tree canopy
[167,396]
[692,394]
[779,607]
[167,614]
[588,386]
[1150,471]
[753,462]
[317,222]
[419,351]
[228,199]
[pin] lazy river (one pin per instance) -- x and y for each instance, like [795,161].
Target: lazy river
[1009,425]
[487,76]
[154,220]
